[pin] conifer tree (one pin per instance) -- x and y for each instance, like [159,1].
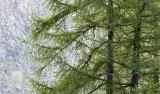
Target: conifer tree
[99,46]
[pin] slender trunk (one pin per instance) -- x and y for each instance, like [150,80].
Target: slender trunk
[110,65]
[156,76]
[156,69]
[110,49]
[156,79]
[136,43]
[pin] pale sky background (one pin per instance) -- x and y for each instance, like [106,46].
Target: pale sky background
[15,21]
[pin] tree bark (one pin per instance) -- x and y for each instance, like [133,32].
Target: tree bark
[110,48]
[156,76]
[136,43]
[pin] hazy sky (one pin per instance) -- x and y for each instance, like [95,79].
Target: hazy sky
[15,20]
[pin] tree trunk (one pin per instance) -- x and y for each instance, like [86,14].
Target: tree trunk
[110,49]
[156,76]
[136,43]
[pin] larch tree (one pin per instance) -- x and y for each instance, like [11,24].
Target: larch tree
[98,47]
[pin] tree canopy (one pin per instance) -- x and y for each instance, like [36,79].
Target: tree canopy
[98,46]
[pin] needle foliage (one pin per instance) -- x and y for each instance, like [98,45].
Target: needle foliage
[98,47]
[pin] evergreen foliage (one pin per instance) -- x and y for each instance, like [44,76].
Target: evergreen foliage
[108,47]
